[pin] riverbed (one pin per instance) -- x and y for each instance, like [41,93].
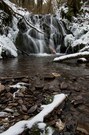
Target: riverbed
[46,79]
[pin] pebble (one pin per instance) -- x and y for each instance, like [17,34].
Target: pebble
[24,108]
[32,109]
[20,101]
[3,114]
[39,86]
[9,110]
[63,86]
[9,95]
[25,80]
[49,77]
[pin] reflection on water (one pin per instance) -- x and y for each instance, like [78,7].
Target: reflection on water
[39,65]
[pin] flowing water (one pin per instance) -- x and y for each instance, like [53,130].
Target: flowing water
[50,41]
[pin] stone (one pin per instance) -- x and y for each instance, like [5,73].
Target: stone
[9,95]
[77,103]
[26,117]
[16,114]
[24,109]
[19,94]
[39,86]
[25,80]
[32,109]
[63,86]
[20,101]
[3,114]
[49,77]
[9,110]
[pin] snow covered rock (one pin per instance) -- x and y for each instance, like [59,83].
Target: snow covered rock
[7,47]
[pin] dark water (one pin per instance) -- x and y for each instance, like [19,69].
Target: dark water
[40,65]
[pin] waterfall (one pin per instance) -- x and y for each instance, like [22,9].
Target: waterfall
[35,42]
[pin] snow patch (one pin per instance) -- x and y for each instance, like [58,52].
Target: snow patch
[7,44]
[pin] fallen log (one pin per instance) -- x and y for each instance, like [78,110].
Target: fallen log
[20,126]
[72,56]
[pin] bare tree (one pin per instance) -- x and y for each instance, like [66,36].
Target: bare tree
[39,5]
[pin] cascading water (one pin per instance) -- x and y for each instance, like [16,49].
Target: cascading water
[32,41]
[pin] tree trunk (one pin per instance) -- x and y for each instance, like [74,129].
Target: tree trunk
[74,6]
[72,56]
[39,6]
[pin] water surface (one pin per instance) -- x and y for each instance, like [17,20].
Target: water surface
[40,65]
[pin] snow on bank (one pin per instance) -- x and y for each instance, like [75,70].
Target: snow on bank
[8,45]
[20,126]
[79,31]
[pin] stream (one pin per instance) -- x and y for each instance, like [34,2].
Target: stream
[70,78]
[36,64]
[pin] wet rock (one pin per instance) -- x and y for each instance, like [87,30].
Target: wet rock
[56,133]
[49,77]
[20,101]
[32,109]
[63,86]
[76,89]
[7,88]
[16,114]
[9,95]
[39,86]
[25,80]
[26,117]
[6,125]
[3,114]
[46,87]
[2,128]
[19,94]
[13,104]
[77,103]
[9,110]
[24,109]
